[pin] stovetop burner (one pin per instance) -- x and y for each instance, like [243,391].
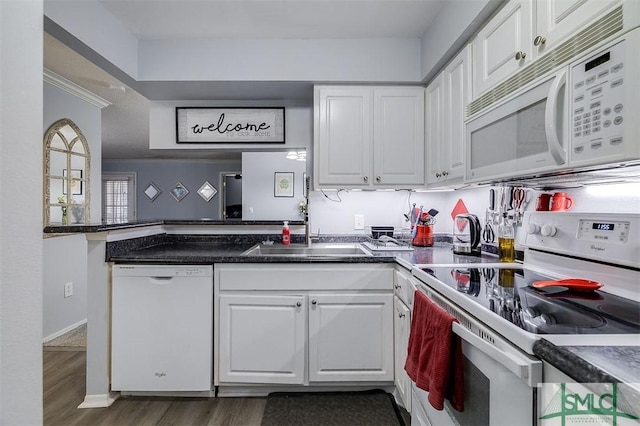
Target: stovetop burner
[509,294]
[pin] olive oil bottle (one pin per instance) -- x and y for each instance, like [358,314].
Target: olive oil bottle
[506,240]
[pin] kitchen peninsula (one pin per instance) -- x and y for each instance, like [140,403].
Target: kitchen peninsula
[196,242]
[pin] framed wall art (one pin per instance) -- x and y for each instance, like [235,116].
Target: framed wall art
[230,125]
[207,191]
[179,191]
[152,191]
[76,183]
[283,184]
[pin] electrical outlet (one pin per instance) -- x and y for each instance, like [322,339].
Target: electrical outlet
[68,289]
[358,221]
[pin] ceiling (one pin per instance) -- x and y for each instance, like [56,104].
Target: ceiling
[125,127]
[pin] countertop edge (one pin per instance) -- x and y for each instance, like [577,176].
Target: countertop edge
[571,364]
[88,229]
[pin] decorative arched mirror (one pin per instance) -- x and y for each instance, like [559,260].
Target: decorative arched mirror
[66,175]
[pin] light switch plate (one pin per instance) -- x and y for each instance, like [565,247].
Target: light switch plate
[358,221]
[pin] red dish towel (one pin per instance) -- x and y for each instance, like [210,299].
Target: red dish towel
[434,355]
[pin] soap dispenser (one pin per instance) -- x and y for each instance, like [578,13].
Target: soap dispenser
[286,234]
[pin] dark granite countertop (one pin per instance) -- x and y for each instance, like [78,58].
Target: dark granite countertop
[208,249]
[593,364]
[102,227]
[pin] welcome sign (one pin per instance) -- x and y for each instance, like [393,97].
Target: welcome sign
[229,125]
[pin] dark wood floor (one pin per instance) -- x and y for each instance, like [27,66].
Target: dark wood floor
[64,388]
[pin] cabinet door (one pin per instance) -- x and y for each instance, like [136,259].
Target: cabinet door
[457,94]
[495,47]
[402,326]
[558,19]
[343,136]
[350,337]
[398,136]
[262,339]
[434,129]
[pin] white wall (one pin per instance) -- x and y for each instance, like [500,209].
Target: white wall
[388,207]
[65,257]
[93,25]
[258,200]
[65,260]
[456,22]
[325,60]
[21,212]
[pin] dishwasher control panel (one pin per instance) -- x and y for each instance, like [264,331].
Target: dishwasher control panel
[162,271]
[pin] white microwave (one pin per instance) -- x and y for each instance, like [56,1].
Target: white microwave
[585,115]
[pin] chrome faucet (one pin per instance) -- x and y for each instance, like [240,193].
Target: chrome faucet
[307,231]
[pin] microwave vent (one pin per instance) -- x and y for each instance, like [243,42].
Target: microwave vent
[587,38]
[598,175]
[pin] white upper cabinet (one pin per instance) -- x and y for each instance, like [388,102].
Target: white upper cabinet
[559,19]
[398,136]
[366,137]
[446,99]
[503,45]
[342,123]
[524,30]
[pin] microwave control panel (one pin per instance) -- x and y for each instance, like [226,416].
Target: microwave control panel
[597,105]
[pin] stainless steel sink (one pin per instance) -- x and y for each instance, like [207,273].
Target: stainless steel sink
[315,250]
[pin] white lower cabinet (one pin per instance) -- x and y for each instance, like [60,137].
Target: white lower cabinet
[262,338]
[350,337]
[304,324]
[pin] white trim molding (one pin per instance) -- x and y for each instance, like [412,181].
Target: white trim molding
[72,88]
[99,401]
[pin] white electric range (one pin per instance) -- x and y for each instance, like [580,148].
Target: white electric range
[501,315]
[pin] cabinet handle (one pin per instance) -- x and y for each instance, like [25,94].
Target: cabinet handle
[438,175]
[298,304]
[314,302]
[539,40]
[397,286]
[520,55]
[445,173]
[366,179]
[400,315]
[378,179]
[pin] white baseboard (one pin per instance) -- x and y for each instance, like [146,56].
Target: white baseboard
[99,401]
[264,390]
[63,331]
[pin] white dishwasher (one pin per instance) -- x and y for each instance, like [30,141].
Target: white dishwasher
[161,328]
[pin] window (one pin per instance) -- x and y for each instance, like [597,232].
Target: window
[118,197]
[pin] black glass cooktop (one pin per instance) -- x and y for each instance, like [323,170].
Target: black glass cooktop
[554,310]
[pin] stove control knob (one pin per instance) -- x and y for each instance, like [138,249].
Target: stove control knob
[548,231]
[547,319]
[533,229]
[532,312]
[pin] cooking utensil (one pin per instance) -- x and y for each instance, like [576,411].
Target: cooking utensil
[487,233]
[576,284]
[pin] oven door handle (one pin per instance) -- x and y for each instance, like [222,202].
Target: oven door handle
[526,369]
